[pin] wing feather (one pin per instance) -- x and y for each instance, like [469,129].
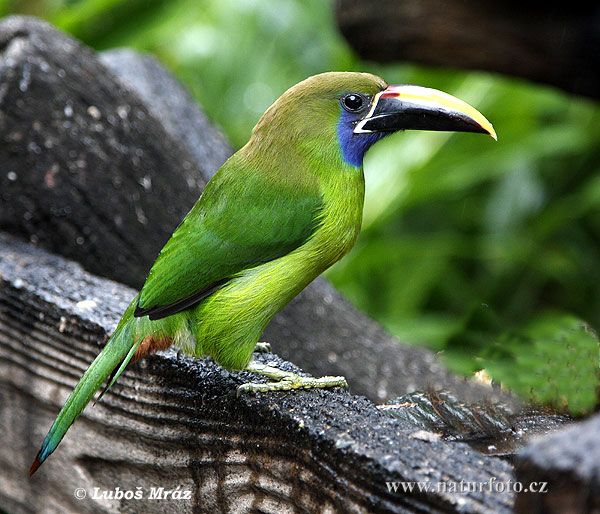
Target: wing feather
[243,218]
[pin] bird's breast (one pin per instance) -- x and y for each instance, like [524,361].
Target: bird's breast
[340,219]
[241,309]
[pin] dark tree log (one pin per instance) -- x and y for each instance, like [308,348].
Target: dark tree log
[101,169]
[569,463]
[86,169]
[172,422]
[556,43]
[170,103]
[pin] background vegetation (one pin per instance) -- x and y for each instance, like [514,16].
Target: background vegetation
[487,252]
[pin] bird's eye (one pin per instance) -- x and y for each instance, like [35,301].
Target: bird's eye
[353,102]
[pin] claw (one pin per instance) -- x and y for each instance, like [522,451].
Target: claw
[286,381]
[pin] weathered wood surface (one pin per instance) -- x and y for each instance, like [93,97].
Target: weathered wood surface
[493,429]
[556,43]
[101,169]
[569,462]
[85,166]
[172,105]
[171,422]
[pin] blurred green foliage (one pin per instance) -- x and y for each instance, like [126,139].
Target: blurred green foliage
[551,360]
[457,229]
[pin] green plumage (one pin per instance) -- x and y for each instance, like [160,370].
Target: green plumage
[246,216]
[276,215]
[271,220]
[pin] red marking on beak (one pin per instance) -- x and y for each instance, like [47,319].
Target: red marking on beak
[389,94]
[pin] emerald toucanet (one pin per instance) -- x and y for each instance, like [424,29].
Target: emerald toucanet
[277,214]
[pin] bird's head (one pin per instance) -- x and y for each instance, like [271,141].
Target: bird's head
[344,113]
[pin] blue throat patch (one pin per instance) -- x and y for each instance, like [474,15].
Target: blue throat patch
[354,146]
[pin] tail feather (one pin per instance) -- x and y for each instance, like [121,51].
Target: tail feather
[116,372]
[117,353]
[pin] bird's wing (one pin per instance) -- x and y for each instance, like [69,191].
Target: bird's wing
[243,218]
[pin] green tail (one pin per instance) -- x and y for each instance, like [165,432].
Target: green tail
[118,351]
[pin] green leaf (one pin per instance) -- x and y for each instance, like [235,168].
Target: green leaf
[553,360]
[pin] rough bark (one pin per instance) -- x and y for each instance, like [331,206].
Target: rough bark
[569,463]
[172,422]
[101,169]
[170,103]
[555,43]
[87,170]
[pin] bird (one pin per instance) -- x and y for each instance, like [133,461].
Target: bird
[279,212]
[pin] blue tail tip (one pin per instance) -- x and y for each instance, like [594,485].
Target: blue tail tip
[42,455]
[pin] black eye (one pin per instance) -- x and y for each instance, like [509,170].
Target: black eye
[353,102]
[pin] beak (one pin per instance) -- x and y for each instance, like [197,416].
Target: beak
[421,108]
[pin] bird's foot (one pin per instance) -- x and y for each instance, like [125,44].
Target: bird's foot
[262,347]
[285,380]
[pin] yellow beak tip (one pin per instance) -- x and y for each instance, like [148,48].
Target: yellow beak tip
[487,126]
